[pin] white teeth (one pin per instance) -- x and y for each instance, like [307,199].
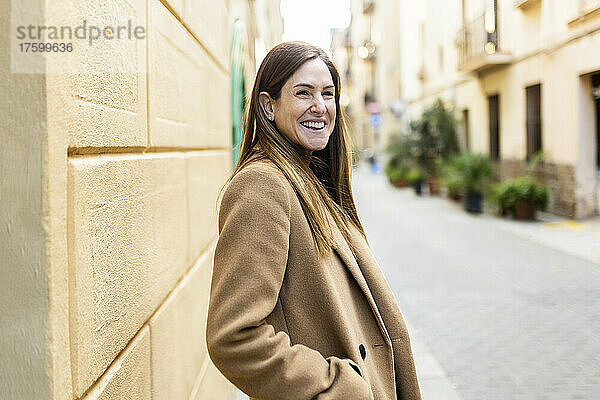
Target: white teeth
[315,125]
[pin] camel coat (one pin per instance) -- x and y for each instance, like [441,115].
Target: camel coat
[284,324]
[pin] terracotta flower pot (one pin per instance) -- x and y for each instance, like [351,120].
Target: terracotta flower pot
[434,186]
[524,210]
[401,183]
[455,196]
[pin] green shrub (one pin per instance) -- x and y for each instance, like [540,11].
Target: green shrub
[414,176]
[451,179]
[523,188]
[474,171]
[432,138]
[395,172]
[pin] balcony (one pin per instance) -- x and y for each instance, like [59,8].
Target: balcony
[478,45]
[526,4]
[588,9]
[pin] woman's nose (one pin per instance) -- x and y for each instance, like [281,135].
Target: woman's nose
[318,106]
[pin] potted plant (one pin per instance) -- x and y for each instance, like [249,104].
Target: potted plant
[397,175]
[523,196]
[433,176]
[475,171]
[451,181]
[416,178]
[493,196]
[434,141]
[400,160]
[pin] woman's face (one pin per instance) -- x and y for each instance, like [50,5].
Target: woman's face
[305,111]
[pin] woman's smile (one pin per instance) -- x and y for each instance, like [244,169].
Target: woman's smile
[316,126]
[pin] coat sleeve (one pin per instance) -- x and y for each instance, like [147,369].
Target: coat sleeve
[249,266]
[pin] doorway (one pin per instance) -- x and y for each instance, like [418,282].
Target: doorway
[494,126]
[596,95]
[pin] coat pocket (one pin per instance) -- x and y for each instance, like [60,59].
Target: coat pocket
[355,367]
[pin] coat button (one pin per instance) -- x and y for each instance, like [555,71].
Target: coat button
[363,351]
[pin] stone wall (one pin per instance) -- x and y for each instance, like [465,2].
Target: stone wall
[558,178]
[120,150]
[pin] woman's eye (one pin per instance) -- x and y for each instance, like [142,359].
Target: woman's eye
[303,92]
[330,94]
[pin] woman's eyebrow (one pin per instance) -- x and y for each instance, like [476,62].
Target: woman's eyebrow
[308,85]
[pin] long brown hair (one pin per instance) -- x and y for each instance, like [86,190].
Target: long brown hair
[323,183]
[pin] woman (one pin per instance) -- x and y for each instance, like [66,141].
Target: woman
[299,308]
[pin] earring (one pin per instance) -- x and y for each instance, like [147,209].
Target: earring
[270,117]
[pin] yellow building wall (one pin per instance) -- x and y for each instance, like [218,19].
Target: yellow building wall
[551,43]
[128,153]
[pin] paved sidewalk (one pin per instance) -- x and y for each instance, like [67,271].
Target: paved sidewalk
[580,238]
[508,309]
[433,380]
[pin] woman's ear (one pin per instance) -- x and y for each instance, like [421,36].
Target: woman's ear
[266,103]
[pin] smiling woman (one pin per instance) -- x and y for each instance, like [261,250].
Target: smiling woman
[305,111]
[299,308]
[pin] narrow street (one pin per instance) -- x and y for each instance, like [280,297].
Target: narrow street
[504,314]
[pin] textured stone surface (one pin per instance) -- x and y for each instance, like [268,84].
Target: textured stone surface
[127,224]
[107,102]
[24,238]
[219,108]
[209,21]
[207,171]
[558,178]
[177,7]
[128,378]
[189,96]
[178,334]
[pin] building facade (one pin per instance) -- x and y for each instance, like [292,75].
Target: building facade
[367,51]
[523,77]
[112,159]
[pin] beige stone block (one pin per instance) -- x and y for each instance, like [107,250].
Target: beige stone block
[219,107]
[207,172]
[178,334]
[106,106]
[188,95]
[128,377]
[213,385]
[177,7]
[211,23]
[127,237]
[176,67]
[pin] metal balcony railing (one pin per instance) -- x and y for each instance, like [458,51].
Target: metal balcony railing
[478,44]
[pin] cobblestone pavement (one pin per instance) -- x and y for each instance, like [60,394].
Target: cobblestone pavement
[506,317]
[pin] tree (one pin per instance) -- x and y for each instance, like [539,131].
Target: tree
[434,137]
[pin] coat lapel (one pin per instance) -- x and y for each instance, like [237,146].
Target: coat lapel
[343,250]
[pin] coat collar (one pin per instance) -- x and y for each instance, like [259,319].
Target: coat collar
[343,250]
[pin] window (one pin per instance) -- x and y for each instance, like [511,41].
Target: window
[534,119]
[596,95]
[465,130]
[494,121]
